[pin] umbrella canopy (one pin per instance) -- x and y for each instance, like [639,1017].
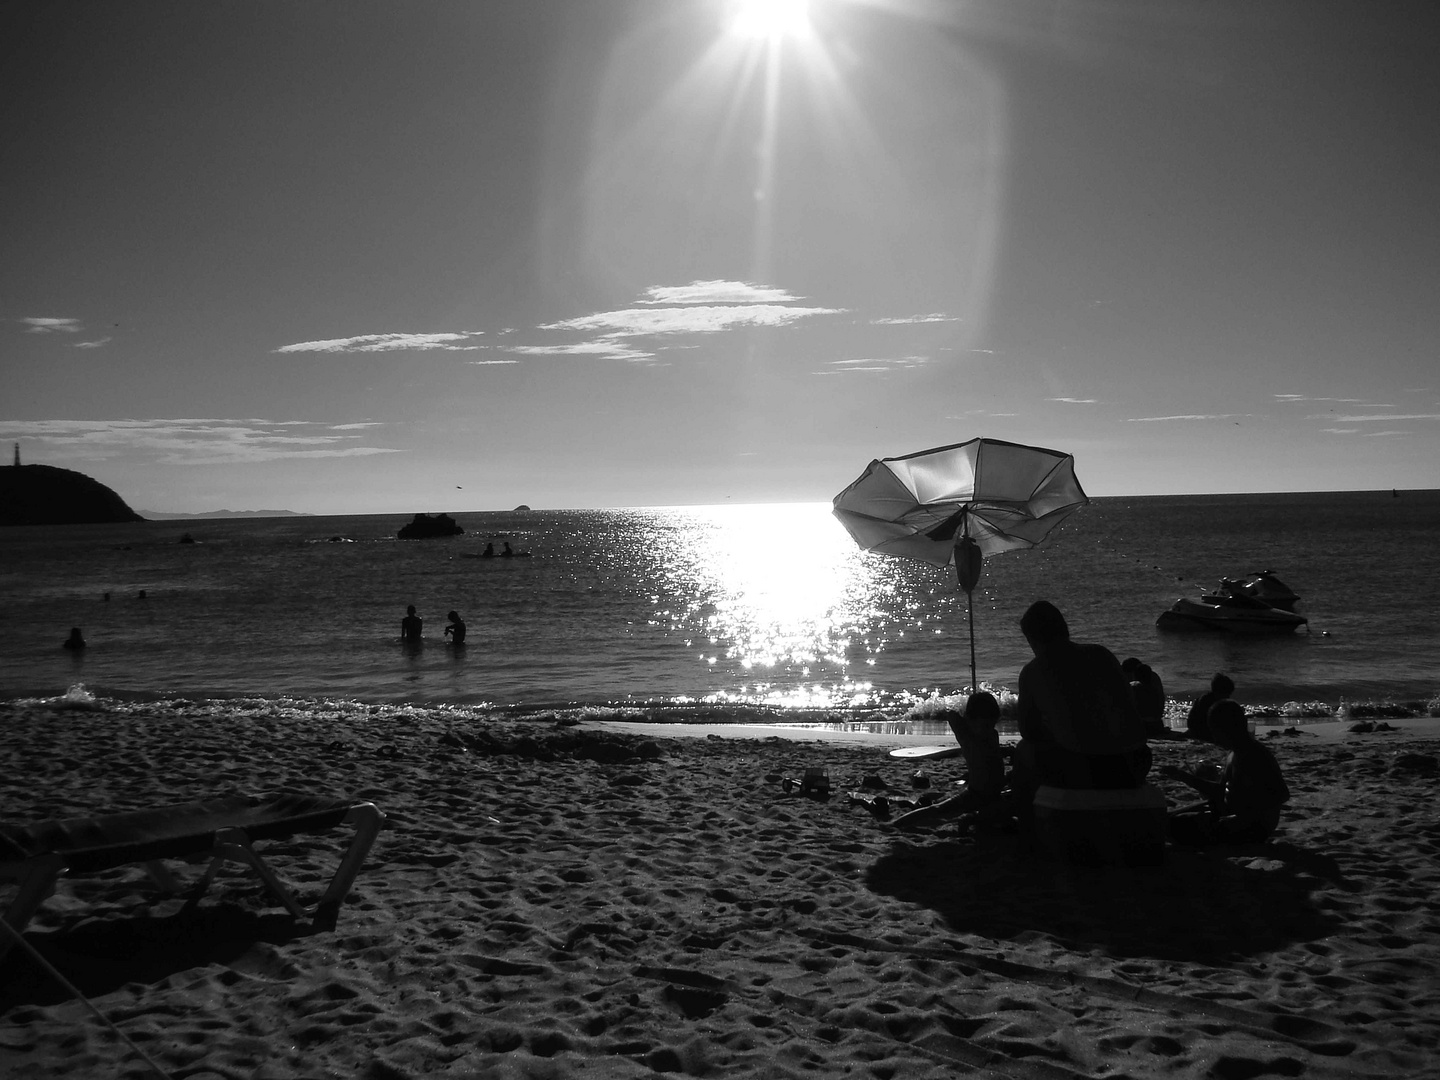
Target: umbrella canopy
[1002,495]
[961,502]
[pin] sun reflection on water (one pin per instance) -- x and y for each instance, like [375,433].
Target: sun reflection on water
[779,594]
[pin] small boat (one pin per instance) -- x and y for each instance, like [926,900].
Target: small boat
[1258,604]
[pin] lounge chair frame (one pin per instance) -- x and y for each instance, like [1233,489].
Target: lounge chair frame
[227,831]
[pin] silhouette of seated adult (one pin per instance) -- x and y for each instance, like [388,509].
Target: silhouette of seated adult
[489,552]
[507,553]
[411,626]
[1078,725]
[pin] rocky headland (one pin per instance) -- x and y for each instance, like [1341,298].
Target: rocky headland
[46,495]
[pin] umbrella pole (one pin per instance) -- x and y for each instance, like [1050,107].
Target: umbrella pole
[970,609]
[968,561]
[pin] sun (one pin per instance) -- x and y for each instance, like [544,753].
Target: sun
[770,18]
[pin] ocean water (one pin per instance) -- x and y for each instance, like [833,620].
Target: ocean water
[714,612]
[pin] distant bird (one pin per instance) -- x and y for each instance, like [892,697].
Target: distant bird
[459,488]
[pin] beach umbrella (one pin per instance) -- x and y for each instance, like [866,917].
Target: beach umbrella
[960,503]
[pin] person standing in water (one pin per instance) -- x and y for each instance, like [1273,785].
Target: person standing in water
[411,626]
[76,640]
[456,630]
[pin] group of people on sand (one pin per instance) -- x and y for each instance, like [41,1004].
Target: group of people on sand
[412,627]
[1084,720]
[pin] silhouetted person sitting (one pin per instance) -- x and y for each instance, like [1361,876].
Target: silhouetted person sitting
[506,553]
[1078,724]
[76,640]
[1197,723]
[1243,802]
[1149,694]
[974,730]
[456,630]
[489,552]
[411,625]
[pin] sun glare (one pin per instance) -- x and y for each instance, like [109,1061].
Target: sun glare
[771,18]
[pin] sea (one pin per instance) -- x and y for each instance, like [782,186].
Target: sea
[754,613]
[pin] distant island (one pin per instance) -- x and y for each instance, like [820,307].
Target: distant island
[226,514]
[46,495]
[424,527]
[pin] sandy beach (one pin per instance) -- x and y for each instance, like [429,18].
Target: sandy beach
[606,899]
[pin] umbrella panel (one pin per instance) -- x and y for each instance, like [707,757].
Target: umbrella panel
[1004,496]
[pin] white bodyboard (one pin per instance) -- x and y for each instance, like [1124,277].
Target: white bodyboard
[926,751]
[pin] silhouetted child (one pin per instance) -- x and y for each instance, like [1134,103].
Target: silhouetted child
[411,625]
[1148,692]
[974,730]
[456,630]
[1197,723]
[1244,801]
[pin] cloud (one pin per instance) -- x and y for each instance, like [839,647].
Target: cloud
[1363,433]
[1075,400]
[905,320]
[717,292]
[190,441]
[610,349]
[1294,398]
[662,311]
[51,326]
[90,344]
[874,364]
[701,319]
[1365,418]
[1190,416]
[369,343]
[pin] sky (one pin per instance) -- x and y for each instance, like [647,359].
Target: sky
[349,256]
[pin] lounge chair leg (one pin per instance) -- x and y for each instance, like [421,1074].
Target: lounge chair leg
[368,821]
[233,844]
[36,883]
[200,887]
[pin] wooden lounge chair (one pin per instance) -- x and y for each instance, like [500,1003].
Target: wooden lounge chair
[34,857]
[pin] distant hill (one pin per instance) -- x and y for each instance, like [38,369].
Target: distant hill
[45,495]
[225,514]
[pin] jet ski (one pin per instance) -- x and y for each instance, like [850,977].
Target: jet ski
[1258,604]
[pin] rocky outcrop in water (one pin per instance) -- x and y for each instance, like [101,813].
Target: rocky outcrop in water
[424,526]
[46,495]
